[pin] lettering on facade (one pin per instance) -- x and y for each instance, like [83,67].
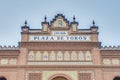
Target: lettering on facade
[59,38]
[59,32]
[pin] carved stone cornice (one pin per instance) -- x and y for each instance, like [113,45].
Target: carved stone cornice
[59,28]
[9,52]
[39,33]
[60,45]
[48,66]
[82,33]
[56,67]
[110,52]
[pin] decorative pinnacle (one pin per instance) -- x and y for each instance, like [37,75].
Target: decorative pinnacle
[74,18]
[25,22]
[93,23]
[45,18]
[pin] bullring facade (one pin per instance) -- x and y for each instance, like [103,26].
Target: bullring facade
[59,51]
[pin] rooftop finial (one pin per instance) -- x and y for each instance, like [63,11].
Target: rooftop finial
[73,18]
[93,23]
[45,18]
[25,22]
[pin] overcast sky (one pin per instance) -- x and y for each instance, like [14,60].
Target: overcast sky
[106,14]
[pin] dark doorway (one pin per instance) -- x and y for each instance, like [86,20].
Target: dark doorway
[117,78]
[59,78]
[3,78]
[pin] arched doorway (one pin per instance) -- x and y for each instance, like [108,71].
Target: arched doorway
[59,78]
[3,78]
[117,78]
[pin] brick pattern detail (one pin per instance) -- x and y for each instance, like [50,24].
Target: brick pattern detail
[35,76]
[84,76]
[44,46]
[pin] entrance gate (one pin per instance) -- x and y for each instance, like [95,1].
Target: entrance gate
[59,78]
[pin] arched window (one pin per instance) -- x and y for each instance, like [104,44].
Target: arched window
[73,55]
[116,78]
[38,55]
[88,55]
[3,78]
[66,55]
[31,55]
[59,78]
[45,55]
[81,55]
[59,56]
[52,55]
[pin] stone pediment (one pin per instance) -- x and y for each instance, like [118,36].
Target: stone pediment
[60,30]
[59,21]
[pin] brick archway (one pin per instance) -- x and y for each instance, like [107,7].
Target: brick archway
[59,77]
[2,78]
[117,78]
